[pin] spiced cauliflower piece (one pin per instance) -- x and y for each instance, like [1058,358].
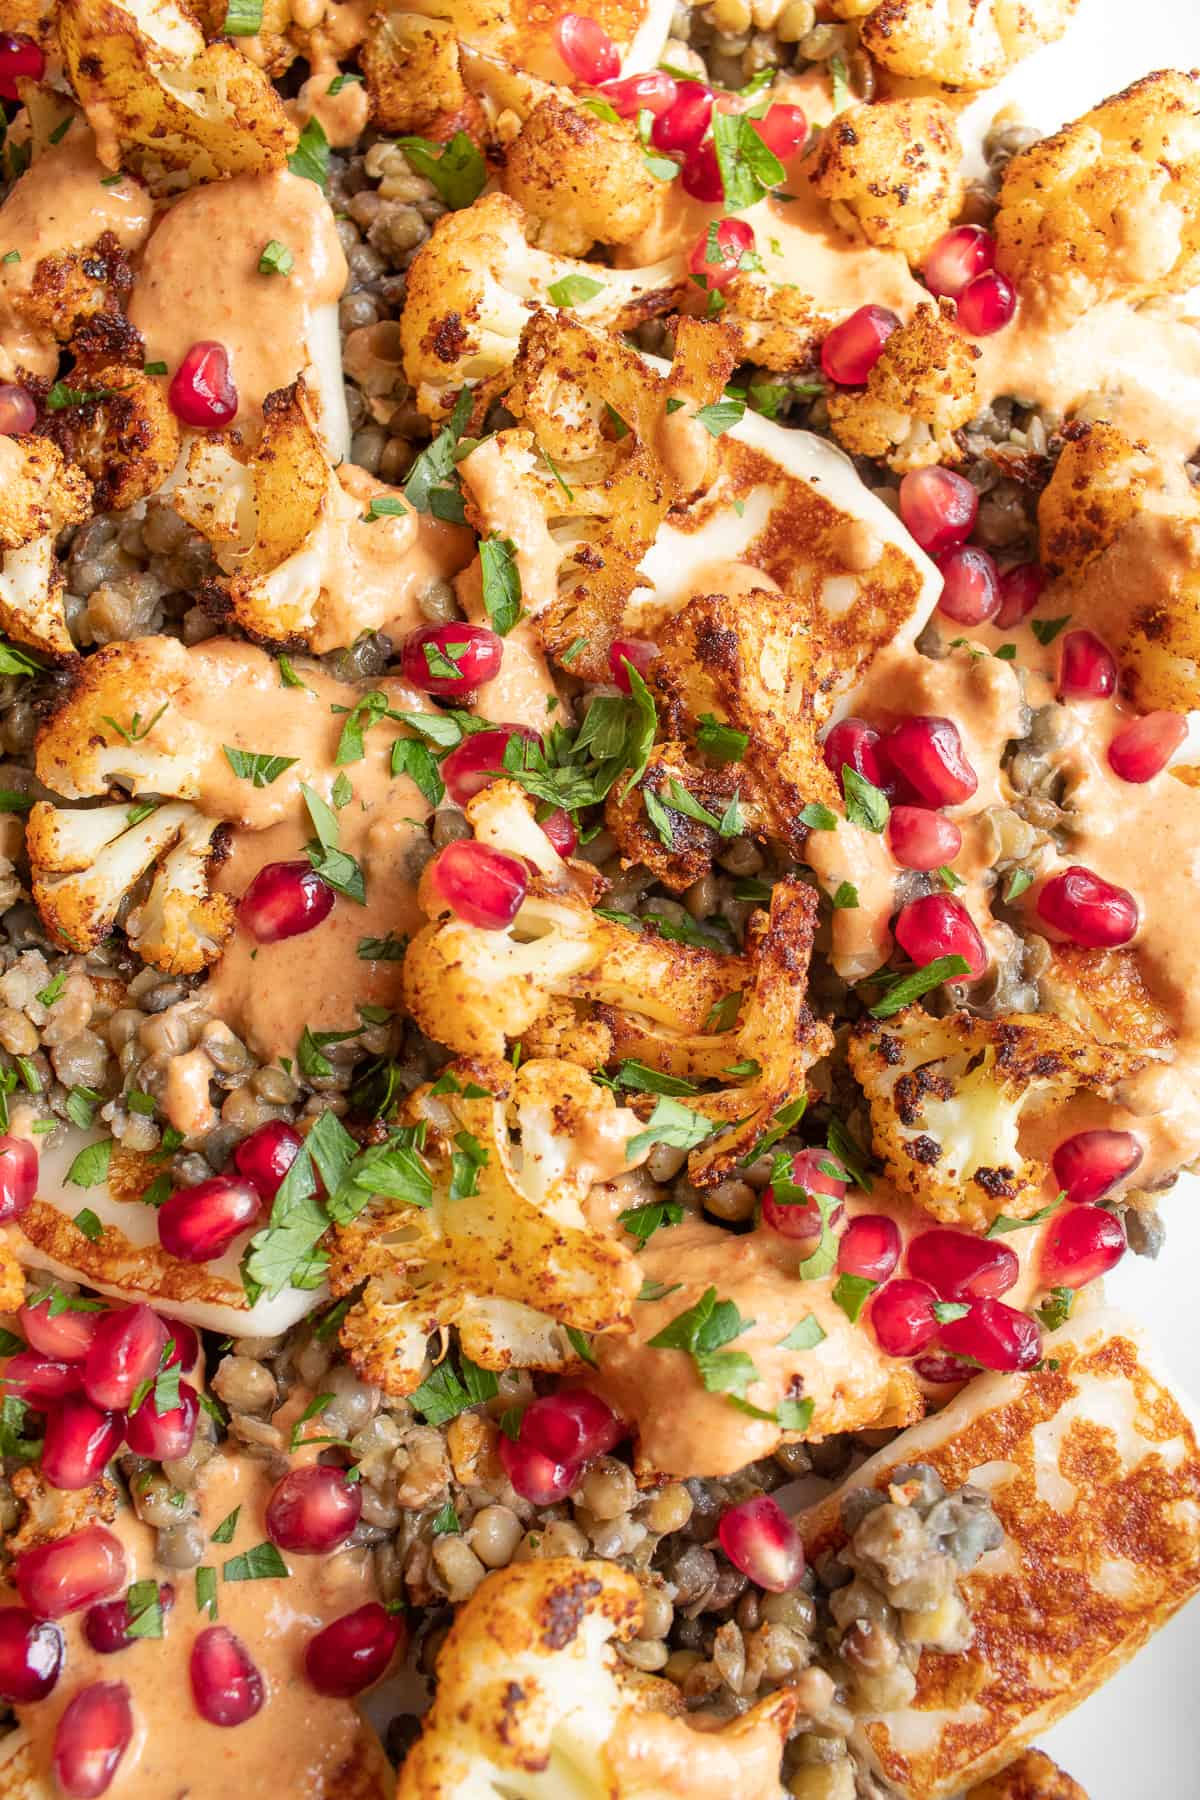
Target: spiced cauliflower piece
[411,68]
[1109,206]
[473,285]
[533,1703]
[40,494]
[1097,488]
[960,44]
[521,34]
[947,1096]
[501,1249]
[918,395]
[82,750]
[892,173]
[1102,993]
[123,434]
[581,179]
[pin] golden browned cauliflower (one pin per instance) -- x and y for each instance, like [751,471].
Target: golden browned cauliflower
[1098,485]
[673,820]
[410,66]
[533,1701]
[892,173]
[1111,204]
[583,180]
[40,494]
[946,1098]
[919,394]
[1032,1777]
[123,435]
[1102,993]
[968,44]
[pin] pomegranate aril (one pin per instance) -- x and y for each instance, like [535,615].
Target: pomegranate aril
[986,304]
[40,1379]
[450,659]
[869,1247]
[970,586]
[198,1224]
[313,1510]
[783,129]
[66,1336]
[202,391]
[927,752]
[479,760]
[587,49]
[961,1266]
[938,508]
[942,1370]
[1081,1244]
[902,1316]
[20,60]
[31,1655]
[1088,910]
[633,651]
[18,1176]
[800,1219]
[559,827]
[855,744]
[921,839]
[940,925]
[536,1477]
[481,886]
[106,1625]
[18,412]
[226,1685]
[701,177]
[996,1335]
[183,1346]
[1087,1165]
[1020,590]
[681,127]
[762,1542]
[570,1427]
[265,1157]
[1144,748]
[654,92]
[1087,669]
[715,258]
[166,1435]
[852,349]
[80,1439]
[957,258]
[125,1351]
[284,900]
[91,1738]
[353,1652]
[70,1572]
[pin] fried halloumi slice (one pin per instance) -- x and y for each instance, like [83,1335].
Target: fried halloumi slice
[1031,1777]
[1092,1466]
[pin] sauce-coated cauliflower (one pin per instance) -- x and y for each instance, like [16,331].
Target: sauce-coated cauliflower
[968,44]
[892,173]
[919,394]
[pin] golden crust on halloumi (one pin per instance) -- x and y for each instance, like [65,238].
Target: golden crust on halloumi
[1093,1468]
[1032,1777]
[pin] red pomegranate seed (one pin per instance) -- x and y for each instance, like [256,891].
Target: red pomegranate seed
[265,1157]
[80,1439]
[963,1267]
[479,760]
[198,1224]
[31,1656]
[798,1218]
[226,1686]
[559,827]
[927,751]
[1145,748]
[91,1738]
[1087,669]
[313,1510]
[587,49]
[869,1247]
[762,1542]
[166,1435]
[782,129]
[66,1336]
[450,659]
[715,258]
[202,391]
[535,1477]
[970,586]
[570,1427]
[106,1625]
[20,60]
[1020,590]
[635,651]
[1087,1165]
[40,1379]
[69,1572]
[942,1369]
[902,1316]
[18,413]
[284,900]
[938,508]
[18,1176]
[854,743]
[957,258]
[685,122]
[126,1350]
[485,887]
[183,1346]
[1080,1244]
[852,348]
[654,92]
[940,925]
[354,1652]
[986,304]
[996,1335]
[1088,910]
[702,177]
[921,839]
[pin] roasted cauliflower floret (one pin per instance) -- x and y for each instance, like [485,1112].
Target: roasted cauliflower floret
[1098,485]
[472,287]
[583,180]
[947,1096]
[892,173]
[674,818]
[411,67]
[532,1703]
[82,752]
[1102,993]
[124,435]
[501,1248]
[523,36]
[40,494]
[968,44]
[919,393]
[1109,206]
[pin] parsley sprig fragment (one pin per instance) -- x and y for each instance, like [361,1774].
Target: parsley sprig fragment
[335,866]
[703,1331]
